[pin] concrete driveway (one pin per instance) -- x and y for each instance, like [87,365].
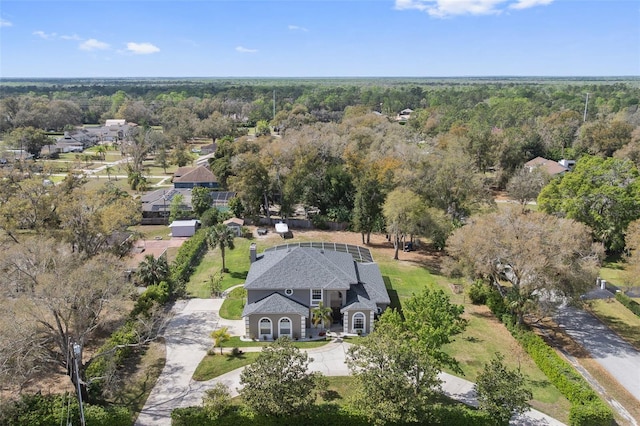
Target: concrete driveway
[618,357]
[187,341]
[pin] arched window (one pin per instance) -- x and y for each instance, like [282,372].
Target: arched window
[285,328]
[266,331]
[358,322]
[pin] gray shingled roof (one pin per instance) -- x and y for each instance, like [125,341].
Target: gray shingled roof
[302,268]
[358,299]
[371,277]
[276,303]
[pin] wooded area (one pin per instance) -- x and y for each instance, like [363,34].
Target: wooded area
[337,148]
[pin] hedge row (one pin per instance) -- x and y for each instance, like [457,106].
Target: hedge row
[631,304]
[324,415]
[188,257]
[587,409]
[54,410]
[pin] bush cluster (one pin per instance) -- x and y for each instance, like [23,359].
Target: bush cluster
[629,303]
[45,410]
[478,293]
[587,408]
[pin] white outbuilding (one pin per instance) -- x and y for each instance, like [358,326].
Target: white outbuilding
[184,228]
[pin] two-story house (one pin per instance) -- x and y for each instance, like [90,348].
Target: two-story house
[286,283]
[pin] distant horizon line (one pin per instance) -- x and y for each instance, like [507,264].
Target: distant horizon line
[598,77]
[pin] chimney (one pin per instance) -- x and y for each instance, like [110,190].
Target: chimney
[253,255]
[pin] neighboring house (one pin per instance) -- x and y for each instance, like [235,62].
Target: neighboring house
[192,177]
[552,168]
[235,224]
[184,228]
[115,122]
[286,283]
[404,115]
[156,204]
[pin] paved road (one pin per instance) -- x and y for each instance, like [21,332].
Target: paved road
[619,358]
[187,340]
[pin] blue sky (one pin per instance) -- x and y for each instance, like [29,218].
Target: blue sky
[319,38]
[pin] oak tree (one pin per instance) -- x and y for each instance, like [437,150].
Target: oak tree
[542,257]
[602,193]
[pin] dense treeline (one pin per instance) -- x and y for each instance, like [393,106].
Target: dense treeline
[93,101]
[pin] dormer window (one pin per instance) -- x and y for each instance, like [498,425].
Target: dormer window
[316,296]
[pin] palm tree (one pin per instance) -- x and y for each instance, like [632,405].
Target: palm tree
[152,270]
[109,170]
[222,237]
[220,336]
[101,150]
[321,315]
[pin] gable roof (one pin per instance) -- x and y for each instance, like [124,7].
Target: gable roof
[198,175]
[234,221]
[302,268]
[275,303]
[549,166]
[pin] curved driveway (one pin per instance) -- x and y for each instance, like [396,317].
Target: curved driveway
[618,357]
[187,340]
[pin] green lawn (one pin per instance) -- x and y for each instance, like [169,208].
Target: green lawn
[237,262]
[613,271]
[235,342]
[215,365]
[234,304]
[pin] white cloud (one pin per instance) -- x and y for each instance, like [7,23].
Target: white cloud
[525,4]
[93,44]
[444,8]
[5,23]
[74,37]
[245,50]
[142,48]
[297,28]
[44,35]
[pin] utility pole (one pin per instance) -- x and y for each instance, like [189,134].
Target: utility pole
[76,353]
[586,105]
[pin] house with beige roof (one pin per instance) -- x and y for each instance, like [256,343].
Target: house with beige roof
[190,177]
[552,168]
